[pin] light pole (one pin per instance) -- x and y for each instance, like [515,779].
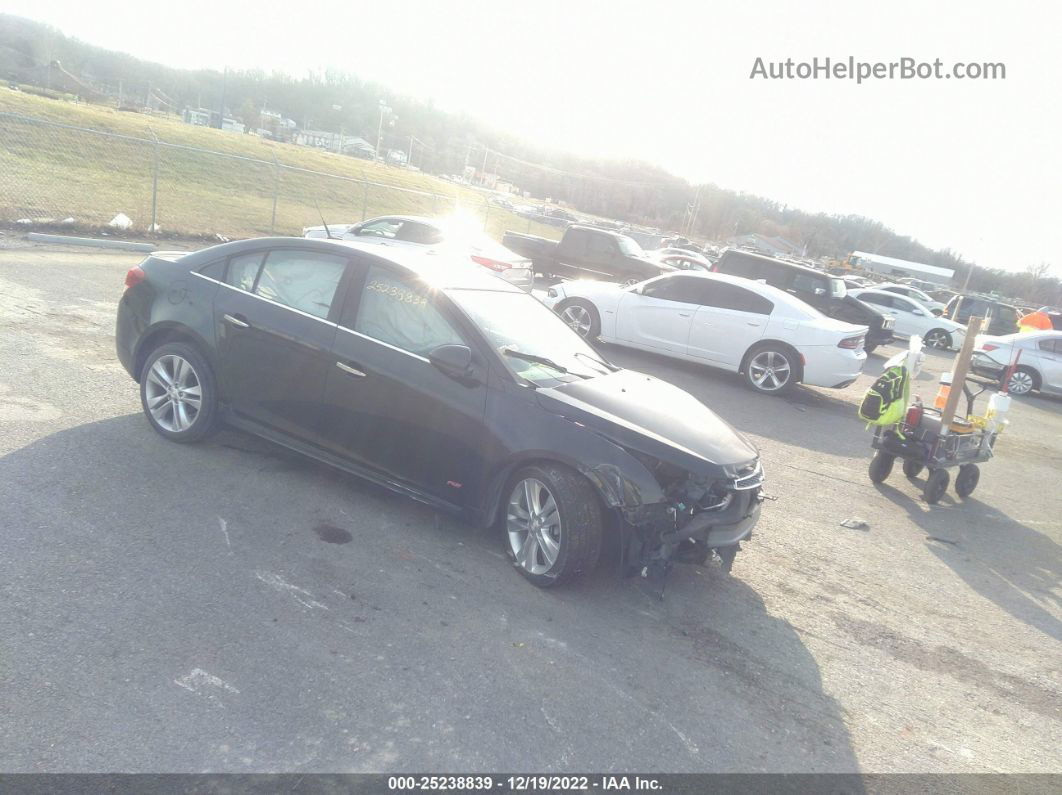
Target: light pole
[384,112]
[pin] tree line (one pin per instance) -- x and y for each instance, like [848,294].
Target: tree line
[446,143]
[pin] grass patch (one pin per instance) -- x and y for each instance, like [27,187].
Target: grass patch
[52,172]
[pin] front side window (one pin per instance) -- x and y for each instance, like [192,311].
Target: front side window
[629,247]
[412,232]
[243,270]
[599,246]
[401,311]
[303,280]
[673,288]
[876,298]
[808,284]
[385,228]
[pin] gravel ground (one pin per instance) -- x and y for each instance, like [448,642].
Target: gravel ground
[234,607]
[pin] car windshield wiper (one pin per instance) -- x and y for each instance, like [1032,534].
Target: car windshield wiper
[532,357]
[610,367]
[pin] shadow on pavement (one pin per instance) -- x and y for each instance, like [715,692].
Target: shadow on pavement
[1005,561]
[601,675]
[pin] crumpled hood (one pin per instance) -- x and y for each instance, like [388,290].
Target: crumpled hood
[652,416]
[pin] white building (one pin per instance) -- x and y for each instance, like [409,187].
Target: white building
[899,268]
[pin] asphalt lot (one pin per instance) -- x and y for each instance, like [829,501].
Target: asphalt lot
[234,607]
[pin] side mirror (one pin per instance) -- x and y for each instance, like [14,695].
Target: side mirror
[454,361]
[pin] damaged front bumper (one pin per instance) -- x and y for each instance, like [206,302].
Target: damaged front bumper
[698,518]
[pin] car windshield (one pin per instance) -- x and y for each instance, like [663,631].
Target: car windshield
[629,247]
[516,323]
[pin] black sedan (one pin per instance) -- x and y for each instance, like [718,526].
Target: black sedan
[443,382]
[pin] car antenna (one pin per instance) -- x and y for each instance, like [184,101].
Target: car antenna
[318,206]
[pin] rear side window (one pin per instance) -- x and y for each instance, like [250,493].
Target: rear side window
[877,299]
[811,285]
[243,270]
[303,280]
[729,296]
[412,232]
[400,312]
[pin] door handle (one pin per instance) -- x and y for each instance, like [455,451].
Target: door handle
[751,323]
[237,321]
[683,314]
[346,368]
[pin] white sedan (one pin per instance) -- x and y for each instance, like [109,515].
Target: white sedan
[914,318]
[411,231]
[936,307]
[771,337]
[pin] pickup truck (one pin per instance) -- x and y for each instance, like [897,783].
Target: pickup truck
[587,253]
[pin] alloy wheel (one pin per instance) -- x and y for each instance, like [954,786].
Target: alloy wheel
[578,318]
[938,339]
[534,526]
[173,393]
[1021,383]
[769,371]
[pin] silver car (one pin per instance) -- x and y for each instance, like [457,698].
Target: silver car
[1040,365]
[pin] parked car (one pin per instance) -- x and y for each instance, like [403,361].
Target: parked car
[1054,314]
[428,376]
[936,307]
[824,292]
[426,233]
[586,253]
[856,282]
[681,259]
[773,339]
[1040,365]
[1002,318]
[911,318]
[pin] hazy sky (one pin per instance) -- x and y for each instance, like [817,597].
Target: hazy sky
[970,165]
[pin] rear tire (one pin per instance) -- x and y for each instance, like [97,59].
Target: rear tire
[881,466]
[772,369]
[553,524]
[581,317]
[1023,381]
[178,392]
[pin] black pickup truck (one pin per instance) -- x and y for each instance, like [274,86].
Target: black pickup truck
[586,253]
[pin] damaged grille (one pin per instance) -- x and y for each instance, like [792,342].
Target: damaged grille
[748,477]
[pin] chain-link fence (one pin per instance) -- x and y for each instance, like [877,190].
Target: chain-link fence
[52,173]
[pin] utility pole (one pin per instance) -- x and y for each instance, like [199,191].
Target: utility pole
[409,159]
[224,81]
[483,171]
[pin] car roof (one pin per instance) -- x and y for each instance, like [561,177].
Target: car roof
[774,294]
[441,269]
[765,258]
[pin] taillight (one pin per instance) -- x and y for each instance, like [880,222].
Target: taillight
[493,264]
[134,276]
[851,343]
[989,347]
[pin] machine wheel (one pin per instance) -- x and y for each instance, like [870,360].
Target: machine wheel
[936,485]
[881,466]
[912,468]
[966,481]
[870,348]
[727,555]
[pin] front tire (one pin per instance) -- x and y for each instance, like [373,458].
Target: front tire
[553,524]
[966,482]
[880,466]
[581,316]
[179,393]
[936,485]
[771,370]
[938,339]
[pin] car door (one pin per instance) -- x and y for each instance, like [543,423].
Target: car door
[658,315]
[386,407]
[1049,351]
[729,321]
[885,303]
[911,318]
[275,328]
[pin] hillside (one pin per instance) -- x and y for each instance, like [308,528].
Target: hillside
[56,172]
